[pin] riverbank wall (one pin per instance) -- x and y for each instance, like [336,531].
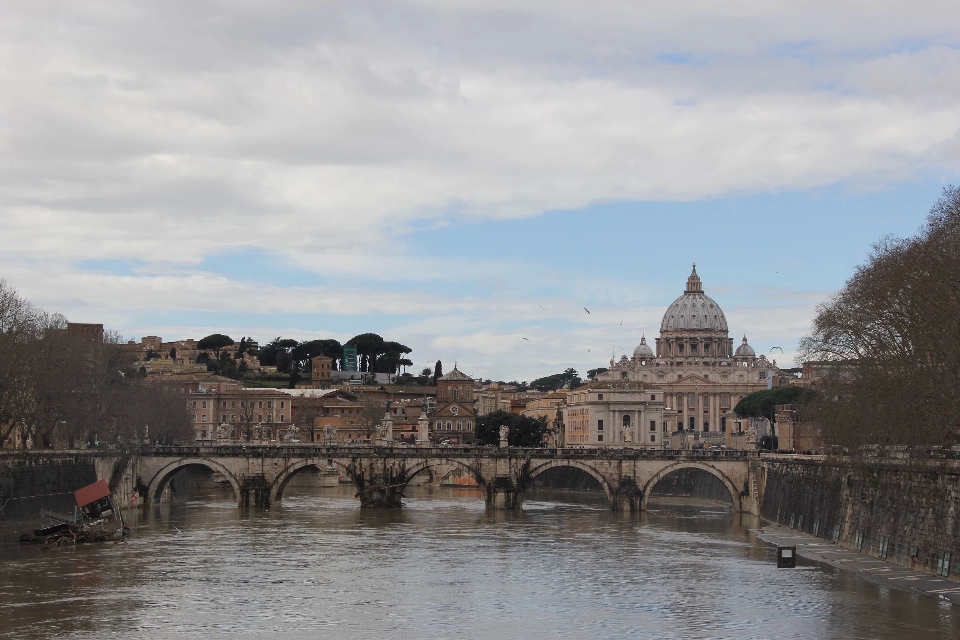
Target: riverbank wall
[33,481]
[906,512]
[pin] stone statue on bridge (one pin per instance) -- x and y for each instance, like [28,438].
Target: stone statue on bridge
[504,436]
[627,435]
[329,435]
[224,431]
[293,433]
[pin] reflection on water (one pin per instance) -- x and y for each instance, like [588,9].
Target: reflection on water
[443,567]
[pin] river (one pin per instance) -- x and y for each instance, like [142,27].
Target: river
[443,567]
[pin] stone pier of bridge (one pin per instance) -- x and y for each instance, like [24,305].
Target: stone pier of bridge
[259,475]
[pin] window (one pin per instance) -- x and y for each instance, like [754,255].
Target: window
[706,426]
[203,434]
[269,418]
[259,417]
[439,425]
[626,421]
[449,426]
[224,404]
[653,425]
[679,348]
[223,418]
[679,376]
[725,400]
[282,419]
[233,404]
[194,404]
[455,393]
[194,417]
[653,438]
[469,425]
[600,437]
[706,376]
[260,405]
[691,400]
[204,404]
[203,418]
[653,398]
[269,404]
[763,375]
[599,396]
[723,424]
[599,425]
[233,418]
[623,375]
[459,426]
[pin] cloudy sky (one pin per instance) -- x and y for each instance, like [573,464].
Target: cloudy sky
[459,175]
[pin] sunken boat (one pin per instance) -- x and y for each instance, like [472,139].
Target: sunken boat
[95,519]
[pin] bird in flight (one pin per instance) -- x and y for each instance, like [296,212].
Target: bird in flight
[587,310]
[527,339]
[621,323]
[542,307]
[772,348]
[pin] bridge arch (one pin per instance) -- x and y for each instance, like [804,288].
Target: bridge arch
[448,465]
[703,466]
[160,479]
[286,474]
[576,464]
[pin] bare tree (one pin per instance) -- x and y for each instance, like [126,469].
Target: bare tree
[62,388]
[371,413]
[891,338]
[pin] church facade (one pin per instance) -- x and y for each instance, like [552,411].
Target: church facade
[696,366]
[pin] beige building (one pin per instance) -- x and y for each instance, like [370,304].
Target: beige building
[696,366]
[248,414]
[321,372]
[615,414]
[455,417]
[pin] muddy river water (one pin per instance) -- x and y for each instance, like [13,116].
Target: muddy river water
[443,567]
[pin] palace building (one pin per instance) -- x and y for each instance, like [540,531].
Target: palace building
[696,367]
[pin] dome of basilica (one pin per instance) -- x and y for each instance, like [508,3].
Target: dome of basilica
[745,350]
[694,310]
[643,350]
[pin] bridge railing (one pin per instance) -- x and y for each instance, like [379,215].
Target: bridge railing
[337,451]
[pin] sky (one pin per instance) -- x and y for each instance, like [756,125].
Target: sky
[461,175]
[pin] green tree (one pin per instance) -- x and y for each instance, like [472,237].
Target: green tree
[557,380]
[764,403]
[524,430]
[276,353]
[215,342]
[437,371]
[369,346]
[304,352]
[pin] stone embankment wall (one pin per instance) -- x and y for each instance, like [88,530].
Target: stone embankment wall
[34,481]
[907,512]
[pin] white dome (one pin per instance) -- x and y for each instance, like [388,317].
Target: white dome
[694,310]
[643,350]
[745,350]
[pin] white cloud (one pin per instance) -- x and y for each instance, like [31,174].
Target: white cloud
[168,132]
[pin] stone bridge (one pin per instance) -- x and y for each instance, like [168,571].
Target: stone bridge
[259,475]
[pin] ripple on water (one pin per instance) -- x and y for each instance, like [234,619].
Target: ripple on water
[443,567]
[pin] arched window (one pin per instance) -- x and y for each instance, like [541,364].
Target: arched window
[626,421]
[455,393]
